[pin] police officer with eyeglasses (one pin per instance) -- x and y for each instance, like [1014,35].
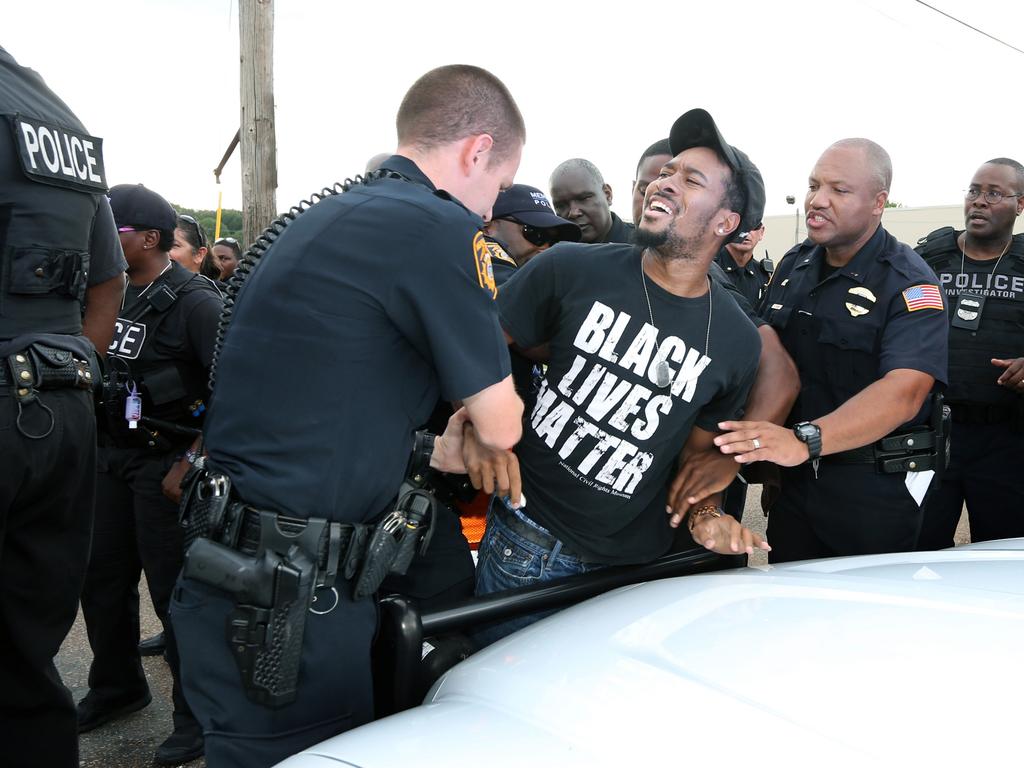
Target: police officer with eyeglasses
[981,270]
[61,282]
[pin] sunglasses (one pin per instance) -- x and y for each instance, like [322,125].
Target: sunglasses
[199,230]
[538,236]
[225,240]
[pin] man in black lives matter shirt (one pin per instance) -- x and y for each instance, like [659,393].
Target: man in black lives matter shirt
[644,355]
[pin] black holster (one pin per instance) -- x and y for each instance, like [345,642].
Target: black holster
[273,591]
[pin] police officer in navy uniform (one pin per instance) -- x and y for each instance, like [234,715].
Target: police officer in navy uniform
[863,319]
[749,275]
[366,309]
[59,254]
[155,398]
[981,270]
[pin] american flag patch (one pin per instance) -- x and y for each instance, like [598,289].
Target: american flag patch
[923,297]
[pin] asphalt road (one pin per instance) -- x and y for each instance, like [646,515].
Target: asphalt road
[131,742]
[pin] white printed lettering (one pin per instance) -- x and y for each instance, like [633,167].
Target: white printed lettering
[638,356]
[608,348]
[553,424]
[593,329]
[642,430]
[92,162]
[31,143]
[50,158]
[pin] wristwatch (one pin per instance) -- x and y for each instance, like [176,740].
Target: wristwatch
[809,433]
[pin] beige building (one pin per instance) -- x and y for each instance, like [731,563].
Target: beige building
[906,224]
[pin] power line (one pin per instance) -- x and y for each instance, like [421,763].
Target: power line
[979,31]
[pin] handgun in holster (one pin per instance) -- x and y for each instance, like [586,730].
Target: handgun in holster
[272,592]
[207,508]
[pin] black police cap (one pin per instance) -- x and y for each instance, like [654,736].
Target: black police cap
[135,206]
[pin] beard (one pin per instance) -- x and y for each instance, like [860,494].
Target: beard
[668,243]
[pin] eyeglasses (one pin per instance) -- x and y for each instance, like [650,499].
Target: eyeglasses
[991,196]
[199,230]
[227,240]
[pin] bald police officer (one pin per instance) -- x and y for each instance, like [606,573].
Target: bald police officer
[59,254]
[863,319]
[330,371]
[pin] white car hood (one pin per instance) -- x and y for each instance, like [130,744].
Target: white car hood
[904,659]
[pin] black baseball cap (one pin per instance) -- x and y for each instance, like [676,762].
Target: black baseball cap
[135,206]
[697,128]
[528,205]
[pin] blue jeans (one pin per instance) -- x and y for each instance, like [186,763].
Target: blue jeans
[507,560]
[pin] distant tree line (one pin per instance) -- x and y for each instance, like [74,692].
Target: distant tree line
[230,222]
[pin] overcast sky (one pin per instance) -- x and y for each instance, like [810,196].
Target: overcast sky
[158,80]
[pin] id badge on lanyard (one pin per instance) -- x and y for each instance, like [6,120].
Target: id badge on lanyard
[967,312]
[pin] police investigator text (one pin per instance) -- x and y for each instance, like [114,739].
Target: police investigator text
[1001,286]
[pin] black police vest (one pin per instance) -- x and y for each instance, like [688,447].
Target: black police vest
[173,390]
[46,220]
[1000,332]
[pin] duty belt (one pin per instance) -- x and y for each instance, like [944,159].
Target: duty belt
[913,451]
[340,546]
[530,531]
[980,413]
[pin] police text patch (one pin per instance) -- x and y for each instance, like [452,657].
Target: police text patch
[60,156]
[128,339]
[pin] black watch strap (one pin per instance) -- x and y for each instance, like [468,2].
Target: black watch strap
[810,434]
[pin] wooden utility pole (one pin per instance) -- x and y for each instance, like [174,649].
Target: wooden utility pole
[259,139]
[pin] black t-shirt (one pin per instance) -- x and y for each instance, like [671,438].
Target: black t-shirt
[619,232]
[602,441]
[368,308]
[525,371]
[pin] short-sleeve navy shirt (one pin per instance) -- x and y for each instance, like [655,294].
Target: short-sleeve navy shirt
[365,310]
[880,312]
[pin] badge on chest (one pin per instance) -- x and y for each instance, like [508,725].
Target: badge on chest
[967,313]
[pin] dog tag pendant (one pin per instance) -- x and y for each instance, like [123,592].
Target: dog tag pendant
[662,374]
[133,408]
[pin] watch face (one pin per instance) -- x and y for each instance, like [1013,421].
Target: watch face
[806,431]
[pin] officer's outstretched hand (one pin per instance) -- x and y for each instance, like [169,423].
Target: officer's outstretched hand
[726,536]
[701,474]
[494,471]
[750,441]
[1013,377]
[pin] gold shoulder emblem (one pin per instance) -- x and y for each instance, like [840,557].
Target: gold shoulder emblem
[482,260]
[499,253]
